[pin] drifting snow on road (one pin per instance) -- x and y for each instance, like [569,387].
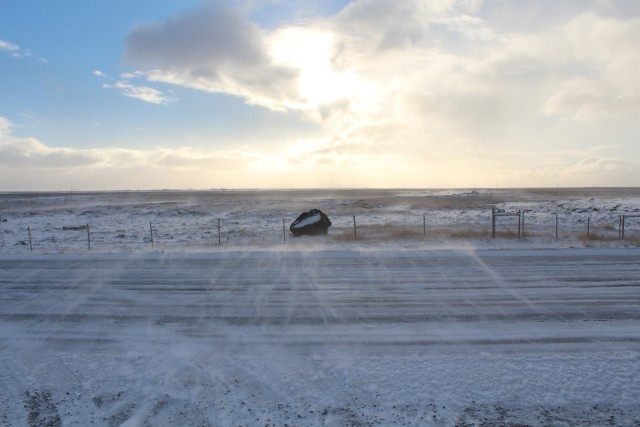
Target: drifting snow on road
[352,336]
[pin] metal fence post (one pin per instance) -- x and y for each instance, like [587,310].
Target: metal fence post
[519,224]
[284,233]
[151,232]
[588,227]
[88,238]
[493,222]
[355,231]
[219,241]
[619,227]
[623,222]
[30,244]
[556,226]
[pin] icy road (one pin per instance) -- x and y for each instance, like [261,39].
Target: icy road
[355,336]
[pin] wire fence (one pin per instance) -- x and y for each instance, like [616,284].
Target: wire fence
[167,234]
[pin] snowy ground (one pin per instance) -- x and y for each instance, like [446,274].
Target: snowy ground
[331,331]
[188,220]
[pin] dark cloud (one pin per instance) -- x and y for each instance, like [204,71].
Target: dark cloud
[213,48]
[212,34]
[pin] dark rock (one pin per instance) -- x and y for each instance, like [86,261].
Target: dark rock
[310,223]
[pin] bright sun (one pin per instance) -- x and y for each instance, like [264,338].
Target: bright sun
[310,51]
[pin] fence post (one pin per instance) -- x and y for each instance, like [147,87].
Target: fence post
[151,231]
[623,218]
[493,222]
[424,224]
[519,223]
[523,223]
[556,226]
[219,241]
[355,231]
[30,244]
[619,227]
[284,233]
[88,238]
[588,227]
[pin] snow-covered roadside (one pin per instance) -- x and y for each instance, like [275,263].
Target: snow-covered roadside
[352,335]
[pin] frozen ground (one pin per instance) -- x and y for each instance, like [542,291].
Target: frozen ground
[187,220]
[320,331]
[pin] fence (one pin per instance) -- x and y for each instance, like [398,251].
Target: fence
[621,228]
[165,234]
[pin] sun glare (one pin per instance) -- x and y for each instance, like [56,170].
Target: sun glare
[311,51]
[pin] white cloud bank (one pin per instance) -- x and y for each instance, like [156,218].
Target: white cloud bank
[408,93]
[27,164]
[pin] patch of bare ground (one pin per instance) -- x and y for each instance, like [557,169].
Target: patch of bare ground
[41,410]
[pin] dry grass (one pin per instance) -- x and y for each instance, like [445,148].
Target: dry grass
[390,232]
[594,236]
[378,232]
[632,242]
[604,235]
[458,233]
[341,235]
[600,239]
[595,240]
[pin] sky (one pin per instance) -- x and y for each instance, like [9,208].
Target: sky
[200,94]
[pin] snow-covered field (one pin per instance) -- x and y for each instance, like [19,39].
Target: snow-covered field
[188,220]
[388,329]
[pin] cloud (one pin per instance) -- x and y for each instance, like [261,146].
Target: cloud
[17,52]
[592,99]
[9,47]
[606,60]
[215,49]
[597,165]
[139,92]
[211,33]
[337,160]
[462,88]
[142,93]
[28,153]
[463,92]
[377,22]
[5,127]
[27,164]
